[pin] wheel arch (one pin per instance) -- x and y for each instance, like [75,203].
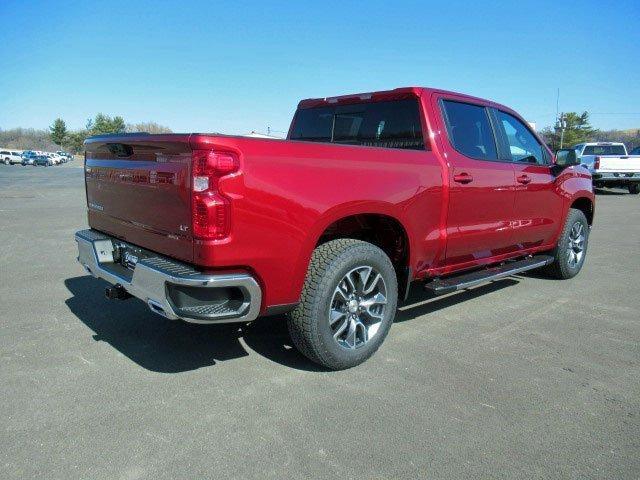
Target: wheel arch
[586,206]
[380,224]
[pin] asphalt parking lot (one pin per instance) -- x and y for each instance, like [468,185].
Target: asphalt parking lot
[523,378]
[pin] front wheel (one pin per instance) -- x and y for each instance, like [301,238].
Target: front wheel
[571,251]
[7,161]
[634,188]
[347,305]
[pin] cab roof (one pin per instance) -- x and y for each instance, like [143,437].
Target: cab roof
[395,94]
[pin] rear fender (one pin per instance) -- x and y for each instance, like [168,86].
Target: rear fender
[330,217]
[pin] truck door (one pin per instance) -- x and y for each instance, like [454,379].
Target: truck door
[481,187]
[538,203]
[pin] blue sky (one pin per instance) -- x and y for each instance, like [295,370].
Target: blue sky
[238,66]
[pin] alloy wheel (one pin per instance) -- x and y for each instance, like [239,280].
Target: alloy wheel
[577,239]
[358,307]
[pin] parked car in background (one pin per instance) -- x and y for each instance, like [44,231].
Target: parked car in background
[43,160]
[368,193]
[610,165]
[28,157]
[55,158]
[9,157]
[66,155]
[59,157]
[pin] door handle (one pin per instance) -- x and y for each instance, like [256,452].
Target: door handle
[524,179]
[462,178]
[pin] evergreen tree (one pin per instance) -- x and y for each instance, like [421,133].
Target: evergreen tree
[58,132]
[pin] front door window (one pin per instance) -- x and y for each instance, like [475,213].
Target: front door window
[523,146]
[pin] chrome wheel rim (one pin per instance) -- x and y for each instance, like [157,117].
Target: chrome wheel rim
[577,239]
[357,308]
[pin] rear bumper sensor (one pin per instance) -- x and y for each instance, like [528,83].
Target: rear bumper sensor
[170,288]
[442,286]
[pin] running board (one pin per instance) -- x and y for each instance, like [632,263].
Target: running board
[452,284]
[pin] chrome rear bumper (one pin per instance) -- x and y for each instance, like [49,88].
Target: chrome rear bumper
[170,288]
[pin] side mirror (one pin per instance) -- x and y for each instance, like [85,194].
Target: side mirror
[566,157]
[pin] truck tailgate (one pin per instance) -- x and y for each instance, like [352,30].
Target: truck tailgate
[138,189]
[626,164]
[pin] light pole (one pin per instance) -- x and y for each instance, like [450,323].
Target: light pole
[562,125]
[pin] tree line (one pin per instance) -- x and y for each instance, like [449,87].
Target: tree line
[58,136]
[578,129]
[101,124]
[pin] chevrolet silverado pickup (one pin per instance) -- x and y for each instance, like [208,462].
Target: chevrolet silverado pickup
[610,165]
[368,193]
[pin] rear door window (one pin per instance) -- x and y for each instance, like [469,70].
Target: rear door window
[469,130]
[391,124]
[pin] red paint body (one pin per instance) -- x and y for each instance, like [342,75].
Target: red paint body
[286,194]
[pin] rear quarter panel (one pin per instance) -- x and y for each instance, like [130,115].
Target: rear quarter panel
[288,192]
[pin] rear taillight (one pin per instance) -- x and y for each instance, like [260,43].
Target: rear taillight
[596,163]
[211,210]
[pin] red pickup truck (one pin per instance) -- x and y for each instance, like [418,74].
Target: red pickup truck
[368,193]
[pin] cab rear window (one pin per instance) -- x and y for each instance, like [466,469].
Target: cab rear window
[604,150]
[391,124]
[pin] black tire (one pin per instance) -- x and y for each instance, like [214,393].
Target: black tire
[562,268]
[7,161]
[634,188]
[309,324]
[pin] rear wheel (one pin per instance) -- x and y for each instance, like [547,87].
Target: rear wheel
[7,161]
[347,305]
[634,188]
[571,251]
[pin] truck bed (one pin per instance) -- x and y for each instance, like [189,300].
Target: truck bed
[282,189]
[619,164]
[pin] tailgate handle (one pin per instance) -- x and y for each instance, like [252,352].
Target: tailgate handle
[120,149]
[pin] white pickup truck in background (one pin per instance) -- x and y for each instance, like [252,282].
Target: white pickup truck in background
[610,165]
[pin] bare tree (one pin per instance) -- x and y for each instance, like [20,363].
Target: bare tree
[149,127]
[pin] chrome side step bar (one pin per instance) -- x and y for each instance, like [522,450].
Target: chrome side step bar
[443,286]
